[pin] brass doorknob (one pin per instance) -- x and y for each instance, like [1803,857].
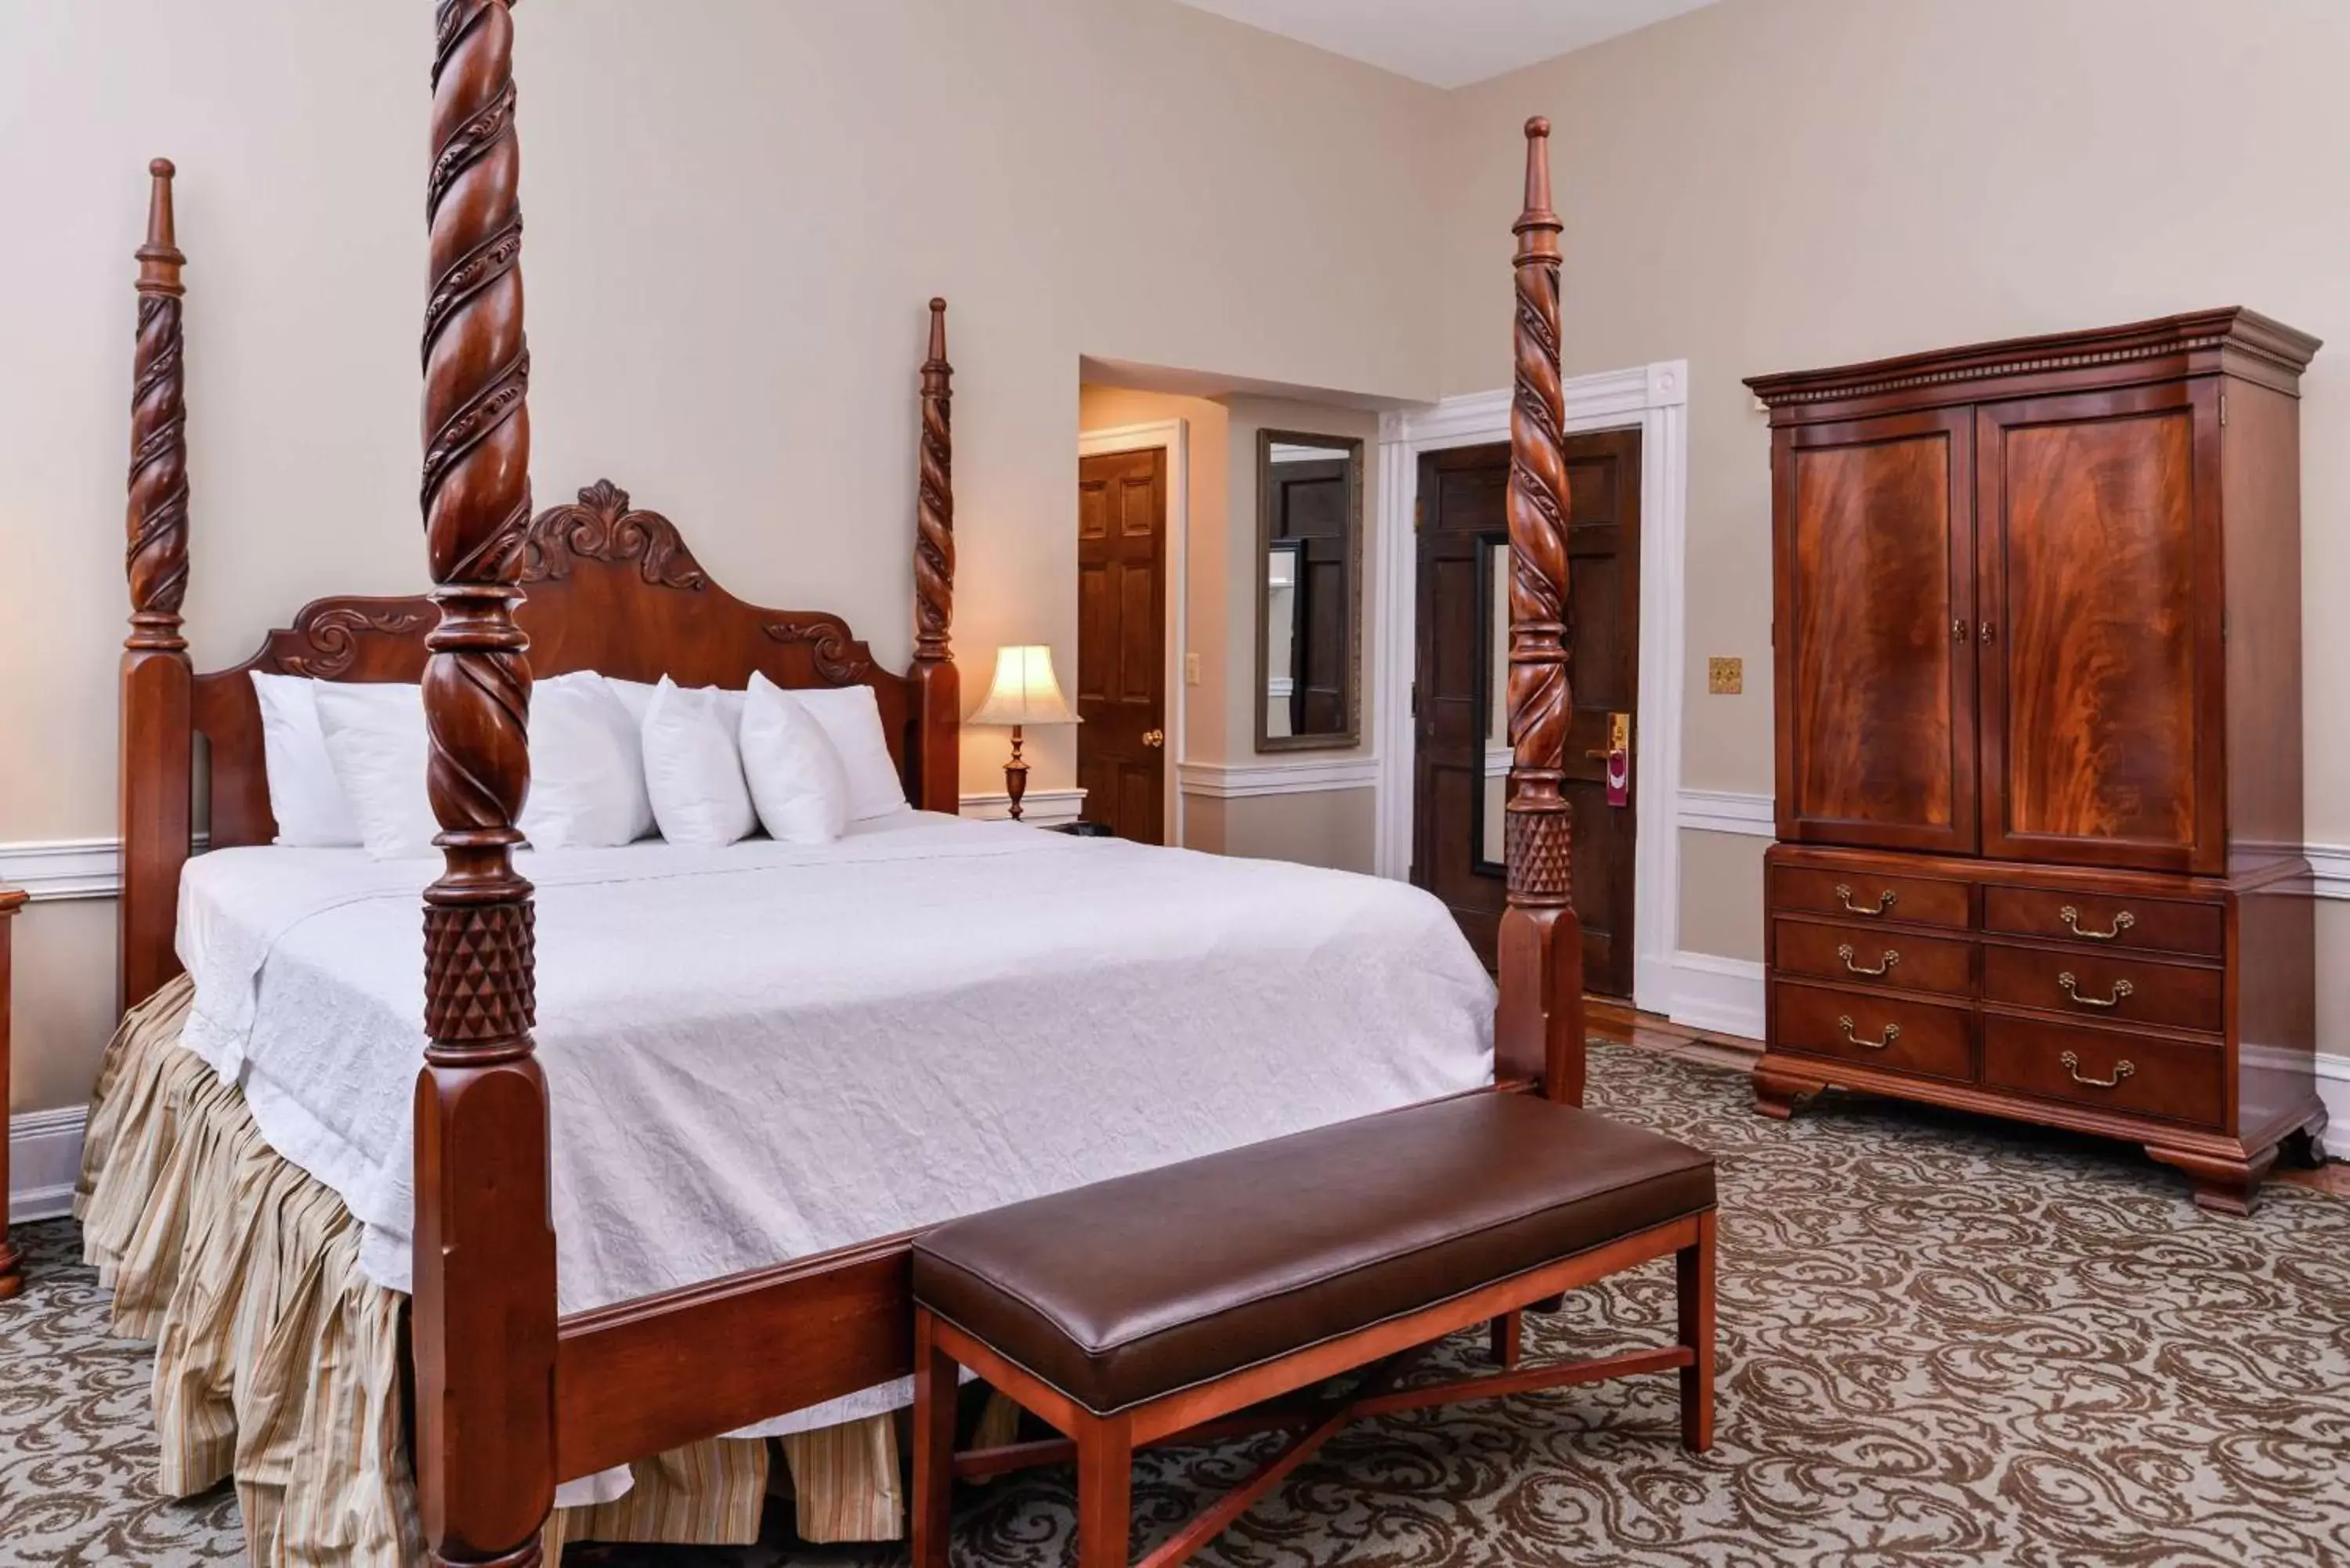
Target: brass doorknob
[1154,737]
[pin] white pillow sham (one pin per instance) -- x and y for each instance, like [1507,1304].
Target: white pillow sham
[588,784]
[375,741]
[636,697]
[693,767]
[304,795]
[799,783]
[852,717]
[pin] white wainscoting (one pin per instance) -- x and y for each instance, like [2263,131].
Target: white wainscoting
[64,867]
[1038,807]
[44,1160]
[1723,811]
[1313,775]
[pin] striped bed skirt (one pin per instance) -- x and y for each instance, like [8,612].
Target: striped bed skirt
[282,1366]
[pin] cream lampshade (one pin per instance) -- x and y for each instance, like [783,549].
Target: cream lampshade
[1025,692]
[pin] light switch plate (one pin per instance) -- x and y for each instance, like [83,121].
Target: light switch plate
[1725,677]
[1190,670]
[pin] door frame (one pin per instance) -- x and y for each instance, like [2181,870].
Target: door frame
[1653,399]
[1172,437]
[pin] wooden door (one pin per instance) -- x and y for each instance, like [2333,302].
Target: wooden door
[1873,632]
[2100,625]
[1122,641]
[1462,739]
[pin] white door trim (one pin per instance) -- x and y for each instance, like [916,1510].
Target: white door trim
[1653,399]
[1174,438]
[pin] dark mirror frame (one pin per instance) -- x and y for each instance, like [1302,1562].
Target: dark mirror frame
[1351,735]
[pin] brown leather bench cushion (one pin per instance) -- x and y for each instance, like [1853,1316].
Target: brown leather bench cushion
[1126,1290]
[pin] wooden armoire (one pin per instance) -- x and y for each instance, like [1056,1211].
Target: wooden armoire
[2037,637]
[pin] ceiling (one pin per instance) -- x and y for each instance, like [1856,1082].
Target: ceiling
[1448,43]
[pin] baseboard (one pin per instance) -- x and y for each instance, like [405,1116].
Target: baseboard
[1719,995]
[44,1162]
[2333,1090]
[1038,807]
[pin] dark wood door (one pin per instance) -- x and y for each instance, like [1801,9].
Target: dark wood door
[1122,641]
[1461,737]
[2100,595]
[1873,632]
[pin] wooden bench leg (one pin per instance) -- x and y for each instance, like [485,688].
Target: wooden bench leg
[937,1381]
[1693,1269]
[1105,1490]
[1509,1340]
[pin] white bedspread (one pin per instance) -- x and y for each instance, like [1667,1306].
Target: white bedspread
[765,1051]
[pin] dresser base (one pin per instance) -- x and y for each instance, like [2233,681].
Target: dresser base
[2168,1011]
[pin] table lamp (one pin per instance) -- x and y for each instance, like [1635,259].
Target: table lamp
[1025,692]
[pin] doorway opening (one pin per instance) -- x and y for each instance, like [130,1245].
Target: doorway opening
[1460,701]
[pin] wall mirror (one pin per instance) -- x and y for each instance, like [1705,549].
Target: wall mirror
[1309,529]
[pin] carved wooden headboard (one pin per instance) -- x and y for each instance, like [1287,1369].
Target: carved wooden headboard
[608,586]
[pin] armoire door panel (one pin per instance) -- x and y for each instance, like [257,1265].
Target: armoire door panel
[2092,643]
[1876,681]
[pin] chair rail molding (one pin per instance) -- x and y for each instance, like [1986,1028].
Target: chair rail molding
[1727,811]
[1653,399]
[1038,807]
[1313,775]
[1173,437]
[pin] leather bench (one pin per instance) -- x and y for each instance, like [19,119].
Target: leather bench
[1173,1304]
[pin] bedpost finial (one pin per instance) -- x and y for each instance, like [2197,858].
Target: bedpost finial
[159,260]
[938,331]
[1537,227]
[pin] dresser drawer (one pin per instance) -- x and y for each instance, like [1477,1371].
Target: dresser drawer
[2106,921]
[1920,901]
[2106,1069]
[1846,953]
[2108,987]
[1897,1035]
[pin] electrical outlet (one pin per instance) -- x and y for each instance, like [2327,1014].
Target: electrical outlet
[1190,670]
[1725,677]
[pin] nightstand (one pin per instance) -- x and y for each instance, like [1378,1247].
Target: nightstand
[12,1278]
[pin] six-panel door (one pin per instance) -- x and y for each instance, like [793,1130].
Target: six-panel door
[1876,668]
[2099,582]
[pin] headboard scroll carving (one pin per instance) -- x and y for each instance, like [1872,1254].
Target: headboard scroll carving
[602,526]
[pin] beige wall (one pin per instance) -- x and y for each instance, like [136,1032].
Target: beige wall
[1767,186]
[736,212]
[1322,827]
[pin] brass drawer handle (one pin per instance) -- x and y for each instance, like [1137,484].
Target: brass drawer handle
[2070,987]
[1892,1032]
[1891,958]
[2072,918]
[2122,1069]
[1884,901]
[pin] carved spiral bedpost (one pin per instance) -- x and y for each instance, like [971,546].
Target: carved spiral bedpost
[158,681]
[1538,1029]
[937,687]
[484,1303]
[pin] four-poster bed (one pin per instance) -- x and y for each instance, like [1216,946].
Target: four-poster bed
[511,1397]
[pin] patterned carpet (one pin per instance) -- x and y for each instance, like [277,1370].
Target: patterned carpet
[1943,1341]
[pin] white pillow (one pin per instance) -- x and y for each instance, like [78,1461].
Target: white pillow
[587,767]
[375,739]
[636,697]
[797,780]
[694,768]
[853,719]
[303,795]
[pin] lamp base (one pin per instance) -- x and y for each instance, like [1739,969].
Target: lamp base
[1015,775]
